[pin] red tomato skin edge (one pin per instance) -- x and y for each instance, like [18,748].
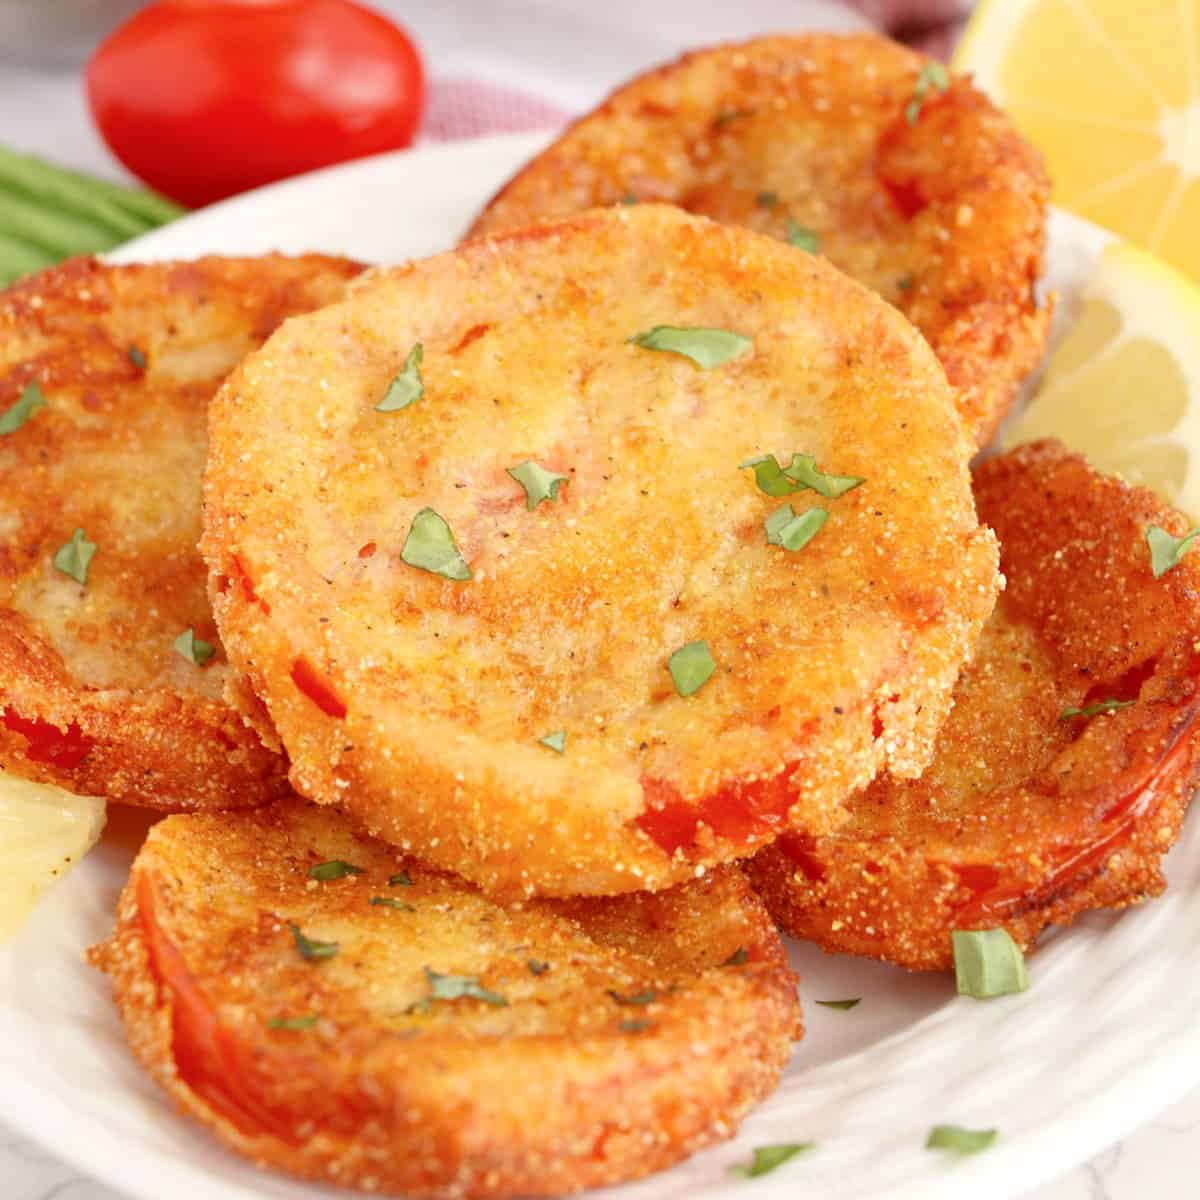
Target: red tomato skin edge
[202,99]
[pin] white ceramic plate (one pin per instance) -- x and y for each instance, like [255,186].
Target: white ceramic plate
[1108,1034]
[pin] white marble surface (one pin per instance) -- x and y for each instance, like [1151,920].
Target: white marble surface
[45,112]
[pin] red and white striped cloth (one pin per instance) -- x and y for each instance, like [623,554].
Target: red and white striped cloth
[470,104]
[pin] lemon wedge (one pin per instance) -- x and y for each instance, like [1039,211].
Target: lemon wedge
[1109,91]
[1123,387]
[44,832]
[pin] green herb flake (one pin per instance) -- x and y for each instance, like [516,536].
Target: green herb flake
[769,476]
[408,387]
[933,75]
[905,283]
[430,546]
[691,667]
[635,1025]
[738,958]
[536,966]
[1165,550]
[767,200]
[310,949]
[638,998]
[628,198]
[556,741]
[707,348]
[335,868]
[767,1158]
[192,648]
[791,531]
[804,471]
[841,1005]
[295,1023]
[802,237]
[75,557]
[400,879]
[987,963]
[959,1141]
[137,356]
[390,902]
[1094,710]
[539,484]
[460,987]
[30,400]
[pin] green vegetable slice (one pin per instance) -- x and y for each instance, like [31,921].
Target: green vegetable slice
[311,949]
[958,1140]
[539,484]
[769,476]
[987,963]
[195,650]
[767,199]
[635,1025]
[738,958]
[430,546]
[841,1005]
[400,879]
[557,741]
[933,75]
[1165,550]
[407,387]
[305,1022]
[791,531]
[1094,710]
[137,356]
[803,238]
[804,470]
[691,667]
[707,348]
[638,998]
[75,556]
[335,868]
[390,902]
[460,987]
[30,400]
[767,1158]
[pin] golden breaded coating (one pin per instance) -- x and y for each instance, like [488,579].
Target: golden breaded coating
[943,215]
[419,703]
[1029,815]
[93,695]
[387,1027]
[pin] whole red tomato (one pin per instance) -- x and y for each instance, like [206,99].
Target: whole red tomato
[205,98]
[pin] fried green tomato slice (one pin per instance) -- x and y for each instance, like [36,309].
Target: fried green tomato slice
[1063,773]
[849,146]
[111,671]
[485,542]
[333,1009]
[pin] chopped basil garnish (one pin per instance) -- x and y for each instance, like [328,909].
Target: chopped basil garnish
[74,558]
[767,1158]
[841,1005]
[802,472]
[1094,710]
[192,648]
[400,879]
[958,1140]
[311,949]
[539,484]
[389,902]
[638,998]
[430,546]
[137,356]
[987,963]
[536,966]
[635,1025]
[30,400]
[691,667]
[1165,550]
[460,987]
[306,1022]
[784,528]
[804,239]
[707,348]
[933,75]
[335,868]
[557,741]
[408,387]
[767,199]
[737,959]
